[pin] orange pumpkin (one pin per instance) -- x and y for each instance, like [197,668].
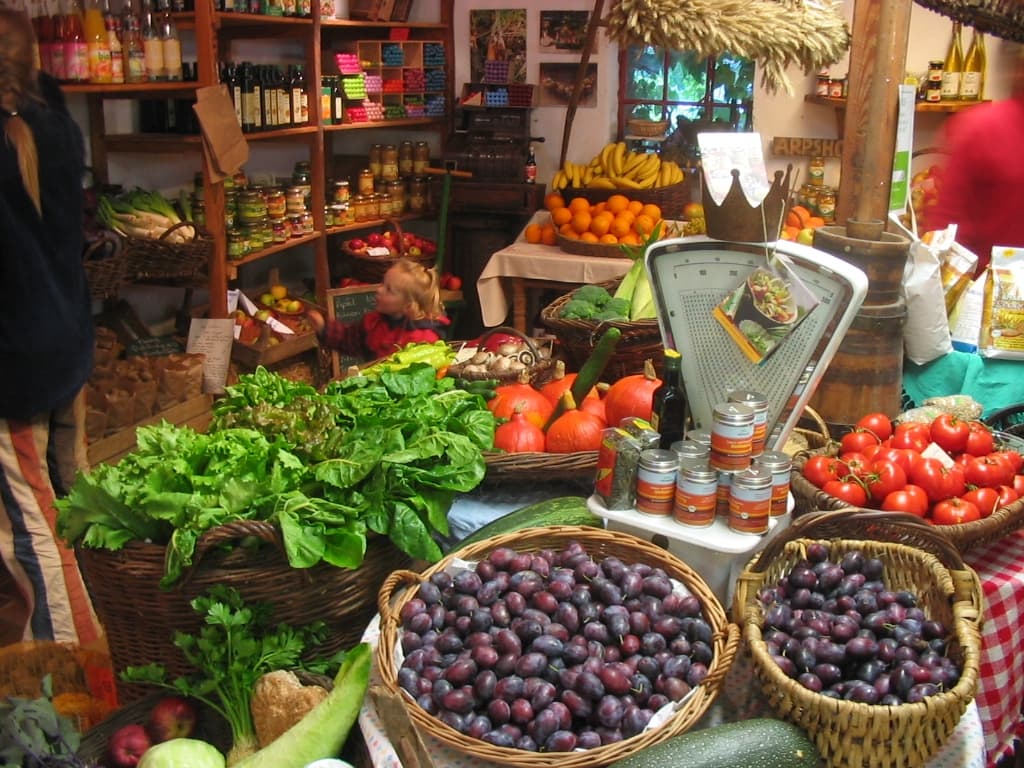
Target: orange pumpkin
[523,396]
[519,435]
[632,395]
[575,430]
[560,383]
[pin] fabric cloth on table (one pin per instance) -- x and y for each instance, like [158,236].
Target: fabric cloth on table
[1000,567]
[475,509]
[993,382]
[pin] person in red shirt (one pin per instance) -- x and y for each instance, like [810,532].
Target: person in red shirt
[408,310]
[981,178]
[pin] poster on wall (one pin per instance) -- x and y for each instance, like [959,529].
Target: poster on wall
[497,46]
[563,31]
[558,80]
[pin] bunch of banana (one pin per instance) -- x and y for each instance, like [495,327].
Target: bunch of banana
[617,167]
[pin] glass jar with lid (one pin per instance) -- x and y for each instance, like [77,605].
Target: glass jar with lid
[362,205]
[420,157]
[337,211]
[417,193]
[365,185]
[340,193]
[252,206]
[276,202]
[396,190]
[389,162]
[294,200]
[238,243]
[405,151]
[295,224]
[826,204]
[375,160]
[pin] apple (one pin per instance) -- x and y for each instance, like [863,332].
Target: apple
[414,251]
[172,717]
[429,248]
[262,315]
[294,306]
[356,244]
[267,299]
[455,283]
[805,236]
[693,211]
[127,745]
[278,291]
[240,316]
[375,239]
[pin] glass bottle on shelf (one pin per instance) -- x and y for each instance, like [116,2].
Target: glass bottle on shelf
[284,97]
[112,25]
[530,169]
[132,44]
[248,96]
[972,83]
[669,406]
[58,60]
[953,65]
[152,46]
[337,102]
[76,49]
[45,25]
[97,45]
[170,41]
[300,99]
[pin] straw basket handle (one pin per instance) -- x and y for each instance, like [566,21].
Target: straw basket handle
[230,532]
[393,582]
[181,225]
[852,522]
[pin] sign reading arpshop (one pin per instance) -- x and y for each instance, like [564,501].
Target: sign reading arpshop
[795,146]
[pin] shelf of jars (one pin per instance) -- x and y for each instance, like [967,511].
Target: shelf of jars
[373,223]
[292,242]
[328,23]
[921,106]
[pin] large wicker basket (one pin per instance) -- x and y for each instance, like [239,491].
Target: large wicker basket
[856,734]
[670,199]
[598,543]
[966,536]
[369,268]
[140,618]
[539,466]
[104,262]
[163,262]
[641,339]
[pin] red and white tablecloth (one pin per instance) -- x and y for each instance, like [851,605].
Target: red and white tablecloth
[1000,567]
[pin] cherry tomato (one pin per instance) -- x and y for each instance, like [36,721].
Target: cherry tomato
[885,477]
[912,435]
[980,441]
[985,499]
[950,433]
[850,491]
[938,481]
[856,463]
[910,498]
[878,424]
[1007,495]
[955,511]
[991,470]
[818,470]
[857,441]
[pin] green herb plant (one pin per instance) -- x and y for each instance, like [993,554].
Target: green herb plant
[234,648]
[33,733]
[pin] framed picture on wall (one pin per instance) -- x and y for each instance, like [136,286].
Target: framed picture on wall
[557,81]
[497,46]
[563,31]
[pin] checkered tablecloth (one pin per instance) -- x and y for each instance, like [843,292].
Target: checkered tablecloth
[1000,568]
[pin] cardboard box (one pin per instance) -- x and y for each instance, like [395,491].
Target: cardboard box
[195,412]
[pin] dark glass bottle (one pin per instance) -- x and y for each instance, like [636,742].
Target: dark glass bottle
[670,409]
[530,170]
[284,97]
[248,94]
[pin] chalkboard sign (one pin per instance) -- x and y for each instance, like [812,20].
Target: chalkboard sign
[349,305]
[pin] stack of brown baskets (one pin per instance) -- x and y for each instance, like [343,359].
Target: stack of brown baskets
[141,618]
[599,544]
[641,339]
[164,262]
[370,269]
[853,734]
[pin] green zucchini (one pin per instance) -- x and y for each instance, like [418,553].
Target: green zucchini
[591,370]
[757,743]
[566,510]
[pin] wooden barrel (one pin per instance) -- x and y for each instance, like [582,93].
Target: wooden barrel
[866,374]
[883,261]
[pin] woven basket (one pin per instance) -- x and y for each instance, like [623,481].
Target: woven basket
[583,248]
[599,544]
[370,269]
[159,261]
[538,466]
[536,358]
[670,199]
[807,497]
[140,618]
[641,339]
[104,262]
[646,128]
[851,733]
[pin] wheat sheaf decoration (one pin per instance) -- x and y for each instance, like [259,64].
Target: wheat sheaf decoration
[774,33]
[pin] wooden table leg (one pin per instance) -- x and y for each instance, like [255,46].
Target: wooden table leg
[519,304]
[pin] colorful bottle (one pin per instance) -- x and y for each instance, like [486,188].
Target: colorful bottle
[76,48]
[58,64]
[530,169]
[100,70]
[171,42]
[112,25]
[153,47]
[133,48]
[953,66]
[972,84]
[42,25]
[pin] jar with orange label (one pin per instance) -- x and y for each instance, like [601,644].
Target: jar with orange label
[750,500]
[732,435]
[759,404]
[656,481]
[780,464]
[696,496]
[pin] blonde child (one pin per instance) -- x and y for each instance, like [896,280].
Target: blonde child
[408,309]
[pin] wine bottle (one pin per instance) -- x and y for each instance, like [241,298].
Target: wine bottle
[669,405]
[132,44]
[972,84]
[530,169]
[953,66]
[153,46]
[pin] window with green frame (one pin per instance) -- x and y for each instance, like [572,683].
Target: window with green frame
[692,94]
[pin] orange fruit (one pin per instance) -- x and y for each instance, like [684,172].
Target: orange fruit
[635,207]
[588,237]
[560,216]
[569,233]
[566,229]
[554,200]
[617,203]
[581,222]
[609,239]
[650,209]
[547,235]
[813,222]
[597,208]
[601,223]
[644,224]
[621,225]
[801,214]
[630,238]
[578,204]
[533,233]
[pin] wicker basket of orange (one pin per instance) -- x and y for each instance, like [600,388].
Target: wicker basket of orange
[598,229]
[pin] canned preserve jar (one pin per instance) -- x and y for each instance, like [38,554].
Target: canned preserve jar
[656,482]
[417,193]
[691,453]
[780,464]
[405,151]
[420,157]
[759,404]
[389,162]
[696,496]
[732,435]
[365,185]
[750,500]
[374,161]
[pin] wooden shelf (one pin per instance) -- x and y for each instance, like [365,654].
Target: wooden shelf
[360,225]
[404,122]
[327,24]
[131,90]
[921,106]
[293,242]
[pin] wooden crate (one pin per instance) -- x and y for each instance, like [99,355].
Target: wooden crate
[194,413]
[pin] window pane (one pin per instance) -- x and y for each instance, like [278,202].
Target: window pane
[687,76]
[646,78]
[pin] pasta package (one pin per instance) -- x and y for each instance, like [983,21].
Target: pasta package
[1002,322]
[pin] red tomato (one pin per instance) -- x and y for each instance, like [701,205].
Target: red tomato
[857,441]
[910,498]
[818,470]
[955,511]
[902,456]
[856,464]
[991,470]
[1007,495]
[454,283]
[950,433]
[1018,484]
[884,478]
[980,441]
[850,491]
[878,424]
[912,435]
[985,499]
[1015,459]
[936,480]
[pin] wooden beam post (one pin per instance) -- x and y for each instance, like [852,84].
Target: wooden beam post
[877,66]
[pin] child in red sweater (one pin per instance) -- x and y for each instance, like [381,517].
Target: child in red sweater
[409,309]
